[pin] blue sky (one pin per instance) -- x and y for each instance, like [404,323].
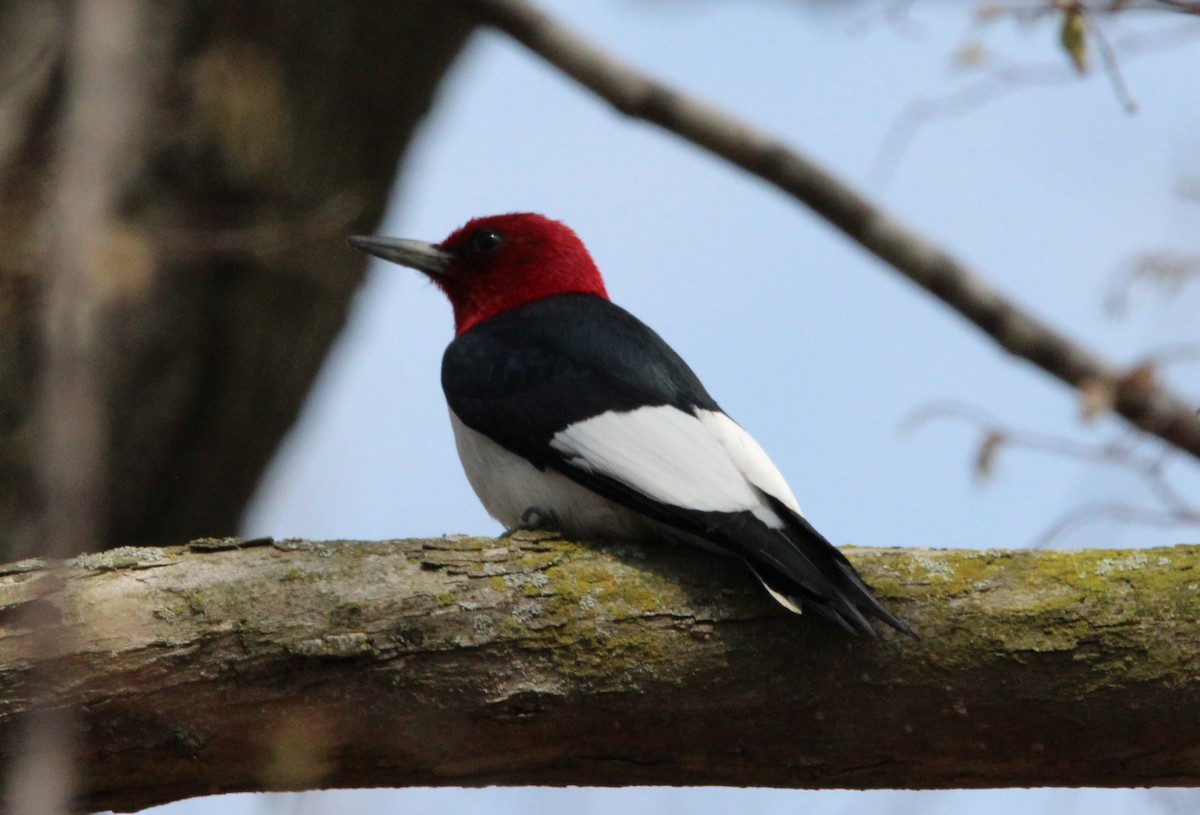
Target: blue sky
[812,345]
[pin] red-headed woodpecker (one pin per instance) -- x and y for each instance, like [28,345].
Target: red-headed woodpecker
[569,413]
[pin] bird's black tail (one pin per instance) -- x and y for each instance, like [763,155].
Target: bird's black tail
[796,564]
[808,571]
[849,606]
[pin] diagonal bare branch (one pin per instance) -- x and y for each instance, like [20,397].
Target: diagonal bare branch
[1151,408]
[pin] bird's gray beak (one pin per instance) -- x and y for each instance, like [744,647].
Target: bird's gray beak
[425,257]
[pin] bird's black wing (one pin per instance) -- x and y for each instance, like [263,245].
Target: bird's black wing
[523,376]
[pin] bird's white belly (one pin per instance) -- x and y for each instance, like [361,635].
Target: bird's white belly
[508,485]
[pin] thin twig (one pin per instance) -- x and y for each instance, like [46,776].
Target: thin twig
[1121,452]
[1180,352]
[1151,408]
[1112,66]
[997,81]
[1114,512]
[1175,509]
[1179,6]
[1168,270]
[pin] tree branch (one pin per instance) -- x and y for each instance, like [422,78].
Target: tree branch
[1147,406]
[226,666]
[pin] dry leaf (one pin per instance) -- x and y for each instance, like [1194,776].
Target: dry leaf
[1073,37]
[985,457]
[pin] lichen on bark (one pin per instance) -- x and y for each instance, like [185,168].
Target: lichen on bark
[230,665]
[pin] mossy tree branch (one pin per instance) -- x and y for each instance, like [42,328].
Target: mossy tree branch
[224,666]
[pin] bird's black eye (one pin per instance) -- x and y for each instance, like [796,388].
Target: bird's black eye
[486,241]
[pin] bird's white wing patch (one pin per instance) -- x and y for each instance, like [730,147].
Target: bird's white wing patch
[749,457]
[666,454]
[508,485]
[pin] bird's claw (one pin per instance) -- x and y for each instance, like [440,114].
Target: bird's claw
[536,519]
[533,519]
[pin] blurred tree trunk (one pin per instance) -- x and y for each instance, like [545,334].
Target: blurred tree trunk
[278,130]
[295,665]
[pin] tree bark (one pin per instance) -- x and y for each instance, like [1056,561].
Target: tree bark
[272,131]
[227,665]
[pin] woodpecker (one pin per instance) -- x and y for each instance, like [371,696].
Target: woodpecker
[571,414]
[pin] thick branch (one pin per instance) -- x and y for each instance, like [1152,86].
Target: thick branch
[1147,406]
[535,661]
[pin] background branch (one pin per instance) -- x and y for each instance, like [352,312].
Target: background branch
[1149,406]
[225,666]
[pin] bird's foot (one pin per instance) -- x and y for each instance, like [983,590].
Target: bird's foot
[535,519]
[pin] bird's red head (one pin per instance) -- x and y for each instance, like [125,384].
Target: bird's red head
[500,262]
[495,264]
